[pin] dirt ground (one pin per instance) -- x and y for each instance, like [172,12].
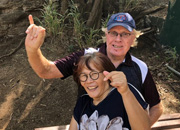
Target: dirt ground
[29,102]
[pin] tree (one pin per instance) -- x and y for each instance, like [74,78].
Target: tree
[171,29]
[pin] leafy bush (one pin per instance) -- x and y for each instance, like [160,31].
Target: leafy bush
[52,20]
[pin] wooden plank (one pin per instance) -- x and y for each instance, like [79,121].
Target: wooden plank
[165,129]
[62,127]
[168,122]
[169,116]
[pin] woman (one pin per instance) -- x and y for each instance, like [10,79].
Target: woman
[110,103]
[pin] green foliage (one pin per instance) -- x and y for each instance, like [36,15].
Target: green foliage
[78,25]
[92,37]
[104,22]
[171,54]
[128,4]
[71,48]
[55,25]
[84,36]
[52,20]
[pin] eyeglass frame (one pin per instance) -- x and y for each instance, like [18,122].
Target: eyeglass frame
[122,35]
[86,75]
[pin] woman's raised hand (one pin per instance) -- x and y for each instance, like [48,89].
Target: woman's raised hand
[118,80]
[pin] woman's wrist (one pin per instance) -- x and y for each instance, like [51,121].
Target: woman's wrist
[126,93]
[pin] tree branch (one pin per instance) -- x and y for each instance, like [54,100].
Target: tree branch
[150,11]
[11,53]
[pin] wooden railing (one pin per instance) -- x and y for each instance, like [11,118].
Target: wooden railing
[62,127]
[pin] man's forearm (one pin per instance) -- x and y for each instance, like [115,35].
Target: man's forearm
[38,62]
[43,67]
[155,112]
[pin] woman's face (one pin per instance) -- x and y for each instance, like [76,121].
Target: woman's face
[95,86]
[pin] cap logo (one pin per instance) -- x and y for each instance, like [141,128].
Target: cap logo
[120,18]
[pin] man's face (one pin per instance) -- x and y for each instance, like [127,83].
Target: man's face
[119,45]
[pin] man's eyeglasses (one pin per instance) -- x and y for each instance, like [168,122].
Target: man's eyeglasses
[122,35]
[93,75]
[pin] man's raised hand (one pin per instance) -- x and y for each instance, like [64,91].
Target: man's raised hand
[35,36]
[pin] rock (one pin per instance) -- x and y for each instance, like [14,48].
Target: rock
[13,15]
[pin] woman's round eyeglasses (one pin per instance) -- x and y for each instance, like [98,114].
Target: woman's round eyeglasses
[93,75]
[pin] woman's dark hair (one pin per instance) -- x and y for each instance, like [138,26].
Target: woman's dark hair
[99,60]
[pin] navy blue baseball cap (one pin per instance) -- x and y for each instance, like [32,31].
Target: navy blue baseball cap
[121,19]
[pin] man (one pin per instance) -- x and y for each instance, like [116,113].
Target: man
[120,35]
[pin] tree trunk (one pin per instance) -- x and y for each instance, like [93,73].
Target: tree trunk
[64,6]
[94,20]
